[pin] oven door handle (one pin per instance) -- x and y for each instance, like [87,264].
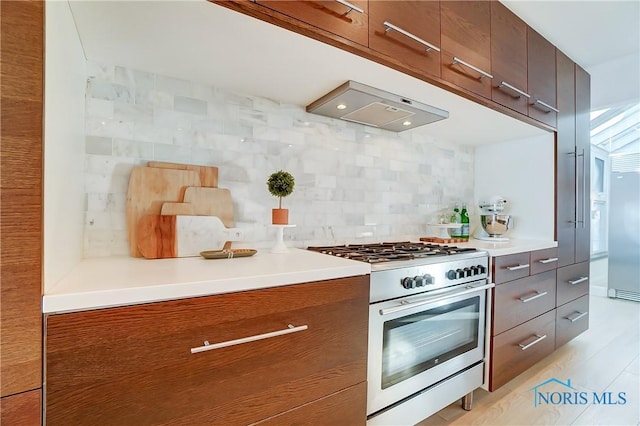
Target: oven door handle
[404,305]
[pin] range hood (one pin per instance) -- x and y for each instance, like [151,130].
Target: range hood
[367,105]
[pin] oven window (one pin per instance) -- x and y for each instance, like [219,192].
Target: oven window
[415,343]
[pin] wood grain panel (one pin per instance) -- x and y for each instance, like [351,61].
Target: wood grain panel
[22,46]
[508,57]
[583,167]
[21,290]
[420,18]
[500,264]
[566,329]
[22,409]
[465,34]
[347,407]
[134,363]
[507,357]
[329,15]
[542,76]
[567,291]
[566,161]
[508,308]
[543,260]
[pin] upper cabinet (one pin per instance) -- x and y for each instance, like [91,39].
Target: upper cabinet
[466,45]
[509,59]
[542,78]
[408,31]
[348,19]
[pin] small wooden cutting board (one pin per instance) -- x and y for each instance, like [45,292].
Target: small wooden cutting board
[211,202]
[208,174]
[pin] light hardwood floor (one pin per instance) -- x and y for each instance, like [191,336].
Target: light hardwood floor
[603,359]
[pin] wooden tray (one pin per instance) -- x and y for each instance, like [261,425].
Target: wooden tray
[444,240]
[227,254]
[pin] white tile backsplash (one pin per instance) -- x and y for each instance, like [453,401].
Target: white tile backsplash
[353,183]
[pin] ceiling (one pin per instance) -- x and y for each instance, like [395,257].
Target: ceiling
[589,32]
[207,43]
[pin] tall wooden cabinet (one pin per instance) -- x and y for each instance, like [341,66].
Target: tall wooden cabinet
[572,198]
[22,52]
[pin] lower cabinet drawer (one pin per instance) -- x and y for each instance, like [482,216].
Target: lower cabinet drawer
[136,365]
[519,301]
[347,407]
[510,267]
[572,319]
[514,351]
[573,282]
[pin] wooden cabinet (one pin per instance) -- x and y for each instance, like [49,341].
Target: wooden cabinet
[22,33]
[510,267]
[136,365]
[522,314]
[508,59]
[573,282]
[572,163]
[466,46]
[22,409]
[408,31]
[516,350]
[572,319]
[541,64]
[332,16]
[520,300]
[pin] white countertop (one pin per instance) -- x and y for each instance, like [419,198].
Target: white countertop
[508,247]
[117,281]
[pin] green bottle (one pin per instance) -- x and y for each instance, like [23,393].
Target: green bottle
[455,218]
[464,219]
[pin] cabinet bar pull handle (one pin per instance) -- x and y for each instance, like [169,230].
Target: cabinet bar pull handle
[577,317]
[584,192]
[518,92]
[390,27]
[578,281]
[534,297]
[535,342]
[350,6]
[208,347]
[543,106]
[476,69]
[549,260]
[515,268]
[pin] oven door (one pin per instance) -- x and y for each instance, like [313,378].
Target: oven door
[417,341]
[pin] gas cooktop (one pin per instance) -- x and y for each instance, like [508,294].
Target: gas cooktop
[391,252]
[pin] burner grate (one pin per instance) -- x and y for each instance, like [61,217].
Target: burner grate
[390,251]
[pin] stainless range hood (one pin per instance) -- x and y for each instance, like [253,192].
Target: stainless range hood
[367,105]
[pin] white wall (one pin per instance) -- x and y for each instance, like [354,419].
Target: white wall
[521,171]
[64,200]
[353,183]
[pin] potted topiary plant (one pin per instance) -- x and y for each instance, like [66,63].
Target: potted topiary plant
[280,185]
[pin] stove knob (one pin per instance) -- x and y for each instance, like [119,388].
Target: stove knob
[408,283]
[481,269]
[429,279]
[474,270]
[451,274]
[467,272]
[459,273]
[420,280]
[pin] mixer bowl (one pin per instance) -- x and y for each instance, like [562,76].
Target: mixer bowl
[495,224]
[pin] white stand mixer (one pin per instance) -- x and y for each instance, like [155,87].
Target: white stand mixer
[494,223]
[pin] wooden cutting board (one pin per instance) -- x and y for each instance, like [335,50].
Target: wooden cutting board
[167,236]
[149,189]
[208,174]
[211,202]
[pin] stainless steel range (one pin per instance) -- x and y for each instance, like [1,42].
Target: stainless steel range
[426,327]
